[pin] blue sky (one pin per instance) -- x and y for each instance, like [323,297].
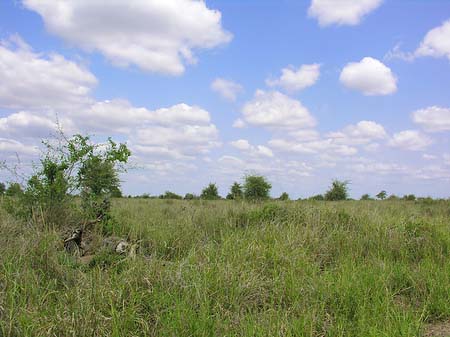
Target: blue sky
[300,91]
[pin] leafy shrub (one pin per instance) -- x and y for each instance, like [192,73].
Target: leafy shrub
[337,191]
[170,195]
[210,192]
[67,166]
[235,192]
[318,197]
[284,196]
[256,187]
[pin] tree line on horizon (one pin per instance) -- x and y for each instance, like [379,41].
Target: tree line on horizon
[257,187]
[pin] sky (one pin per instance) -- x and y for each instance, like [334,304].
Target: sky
[300,91]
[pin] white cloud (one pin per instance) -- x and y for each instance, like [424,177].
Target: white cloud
[258,150]
[428,156]
[239,124]
[120,116]
[433,119]
[26,124]
[436,42]
[36,81]
[154,35]
[276,110]
[297,79]
[379,168]
[226,88]
[175,141]
[369,76]
[341,12]
[362,133]
[410,140]
[313,147]
[241,144]
[305,135]
[12,146]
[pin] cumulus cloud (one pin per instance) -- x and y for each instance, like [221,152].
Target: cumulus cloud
[276,110]
[433,119]
[363,132]
[436,42]
[296,79]
[156,36]
[369,76]
[341,12]
[320,146]
[258,150]
[121,116]
[38,81]
[25,124]
[226,88]
[11,146]
[410,140]
[239,124]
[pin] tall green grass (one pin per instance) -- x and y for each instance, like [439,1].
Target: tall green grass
[225,268]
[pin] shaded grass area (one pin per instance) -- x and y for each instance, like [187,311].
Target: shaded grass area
[224,268]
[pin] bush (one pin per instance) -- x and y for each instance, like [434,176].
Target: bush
[235,192]
[2,188]
[382,195]
[190,196]
[409,197]
[170,195]
[284,196]
[210,192]
[14,190]
[337,191]
[67,166]
[256,187]
[366,197]
[318,197]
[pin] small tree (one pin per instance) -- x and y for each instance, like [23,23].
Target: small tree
[2,188]
[338,191]
[284,196]
[382,195]
[14,190]
[365,197]
[235,192]
[170,195]
[189,196]
[68,166]
[256,187]
[409,197]
[210,192]
[318,197]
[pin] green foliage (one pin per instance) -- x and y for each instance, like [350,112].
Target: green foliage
[2,188]
[14,190]
[409,197]
[284,196]
[235,192]
[256,187]
[67,166]
[318,197]
[210,192]
[366,197]
[337,191]
[170,195]
[190,196]
[382,195]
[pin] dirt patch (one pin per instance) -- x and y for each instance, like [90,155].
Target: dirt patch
[437,329]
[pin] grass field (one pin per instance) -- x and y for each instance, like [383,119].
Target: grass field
[225,268]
